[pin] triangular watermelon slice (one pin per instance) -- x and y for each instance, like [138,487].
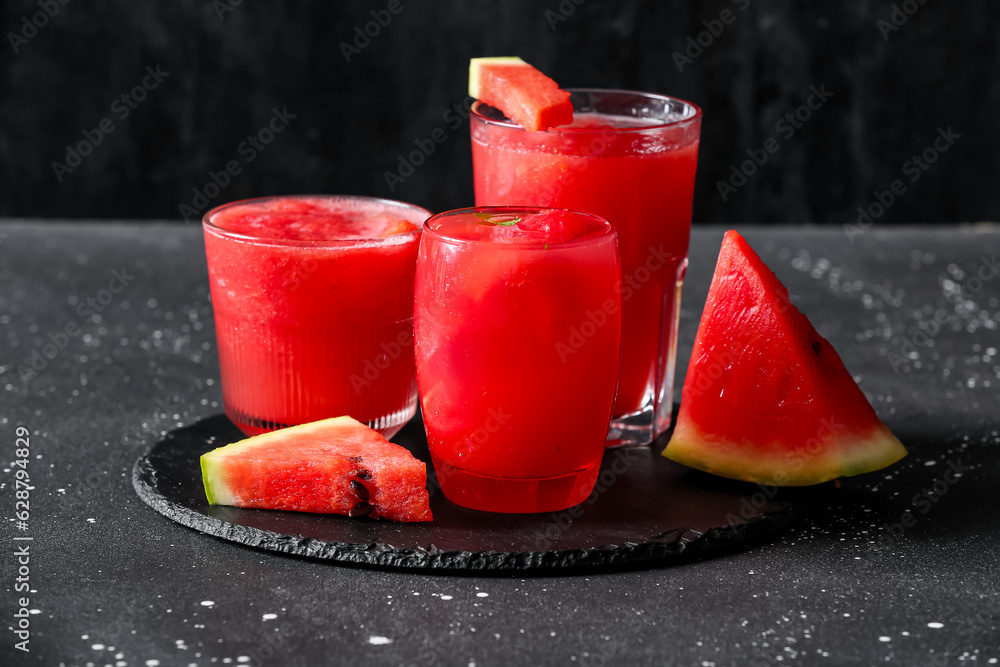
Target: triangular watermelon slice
[523,93]
[766,398]
[332,466]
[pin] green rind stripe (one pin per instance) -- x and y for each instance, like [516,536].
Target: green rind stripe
[841,459]
[209,475]
[206,480]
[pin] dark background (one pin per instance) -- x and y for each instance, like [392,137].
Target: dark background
[230,64]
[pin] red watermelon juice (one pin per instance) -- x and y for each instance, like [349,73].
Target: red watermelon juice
[629,158]
[313,302]
[516,410]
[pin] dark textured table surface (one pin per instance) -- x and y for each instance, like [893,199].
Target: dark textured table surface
[108,343]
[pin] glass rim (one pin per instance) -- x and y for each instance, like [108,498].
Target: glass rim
[607,231]
[696,115]
[392,239]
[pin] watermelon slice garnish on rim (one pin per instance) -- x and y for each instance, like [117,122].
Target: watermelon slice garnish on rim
[521,92]
[332,466]
[766,398]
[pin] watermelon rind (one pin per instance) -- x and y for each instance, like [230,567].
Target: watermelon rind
[877,450]
[476,66]
[208,476]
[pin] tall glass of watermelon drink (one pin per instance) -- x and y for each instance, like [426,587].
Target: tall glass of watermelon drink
[515,408]
[630,158]
[313,301]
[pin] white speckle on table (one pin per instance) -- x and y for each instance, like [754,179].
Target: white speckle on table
[935,625]
[447,597]
[207,603]
[91,520]
[152,663]
[883,638]
[98,647]
[376,640]
[482,595]
[269,617]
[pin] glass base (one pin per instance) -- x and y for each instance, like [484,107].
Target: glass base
[637,429]
[388,425]
[656,415]
[391,424]
[516,496]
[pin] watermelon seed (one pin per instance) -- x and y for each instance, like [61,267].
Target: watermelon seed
[359,490]
[361,509]
[816,347]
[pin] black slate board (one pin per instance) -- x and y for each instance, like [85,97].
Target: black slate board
[648,511]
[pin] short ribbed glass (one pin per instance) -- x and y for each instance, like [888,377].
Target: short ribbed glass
[311,327]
